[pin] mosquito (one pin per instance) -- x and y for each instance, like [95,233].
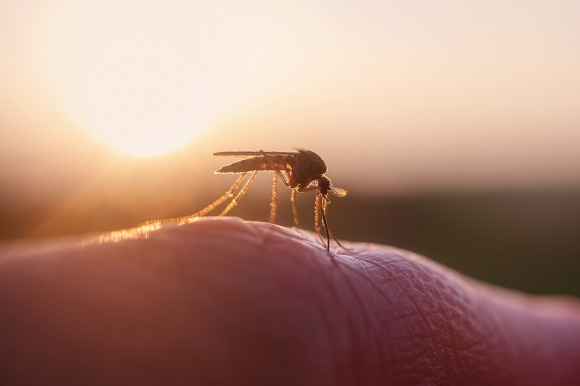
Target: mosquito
[302,171]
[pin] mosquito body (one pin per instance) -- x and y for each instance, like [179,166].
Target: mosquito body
[301,171]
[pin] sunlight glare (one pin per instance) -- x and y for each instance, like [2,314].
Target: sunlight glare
[141,82]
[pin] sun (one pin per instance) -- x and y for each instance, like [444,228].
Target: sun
[143,142]
[141,90]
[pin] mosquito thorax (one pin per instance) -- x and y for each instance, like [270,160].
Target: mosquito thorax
[312,162]
[307,166]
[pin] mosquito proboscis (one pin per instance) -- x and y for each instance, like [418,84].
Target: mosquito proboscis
[301,171]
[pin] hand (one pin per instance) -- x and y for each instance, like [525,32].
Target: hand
[226,302]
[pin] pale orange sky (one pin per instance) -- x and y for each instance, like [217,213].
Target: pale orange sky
[394,95]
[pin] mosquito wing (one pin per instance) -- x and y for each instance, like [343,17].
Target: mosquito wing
[259,160]
[252,153]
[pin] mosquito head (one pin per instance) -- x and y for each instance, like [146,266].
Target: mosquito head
[324,186]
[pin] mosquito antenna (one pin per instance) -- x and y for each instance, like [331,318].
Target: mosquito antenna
[273,203]
[240,194]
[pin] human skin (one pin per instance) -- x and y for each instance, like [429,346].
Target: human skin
[221,301]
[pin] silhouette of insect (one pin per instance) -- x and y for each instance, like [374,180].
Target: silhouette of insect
[301,171]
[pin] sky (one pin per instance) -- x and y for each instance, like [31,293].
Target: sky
[394,95]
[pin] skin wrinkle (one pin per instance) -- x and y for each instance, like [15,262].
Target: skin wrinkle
[415,359]
[329,277]
[326,276]
[423,309]
[507,334]
[394,277]
[355,333]
[330,336]
[460,332]
[476,340]
[319,273]
[434,322]
[360,345]
[222,301]
[374,301]
[492,331]
[425,320]
[416,310]
[378,293]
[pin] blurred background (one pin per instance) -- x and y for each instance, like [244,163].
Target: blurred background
[454,126]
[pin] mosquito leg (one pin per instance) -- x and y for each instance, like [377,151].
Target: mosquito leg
[240,194]
[273,204]
[227,195]
[283,178]
[294,211]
